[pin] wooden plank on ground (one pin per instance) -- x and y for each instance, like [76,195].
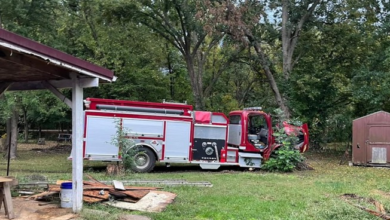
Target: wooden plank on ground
[137,194]
[101,194]
[154,201]
[97,187]
[89,183]
[42,195]
[93,179]
[89,199]
[116,193]
[54,188]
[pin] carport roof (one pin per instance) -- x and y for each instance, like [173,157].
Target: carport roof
[26,63]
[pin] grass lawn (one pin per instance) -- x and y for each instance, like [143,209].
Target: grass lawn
[236,194]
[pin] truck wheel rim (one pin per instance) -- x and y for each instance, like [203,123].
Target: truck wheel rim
[141,160]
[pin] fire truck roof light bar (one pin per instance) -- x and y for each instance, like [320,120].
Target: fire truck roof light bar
[139,109]
[253,108]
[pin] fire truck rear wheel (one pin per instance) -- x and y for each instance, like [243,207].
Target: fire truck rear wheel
[144,160]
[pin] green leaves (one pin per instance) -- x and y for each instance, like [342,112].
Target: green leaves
[285,160]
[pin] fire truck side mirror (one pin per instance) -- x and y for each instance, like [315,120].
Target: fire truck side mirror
[87,103]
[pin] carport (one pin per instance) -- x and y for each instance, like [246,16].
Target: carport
[28,65]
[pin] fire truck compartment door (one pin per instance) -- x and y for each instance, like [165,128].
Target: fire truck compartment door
[99,134]
[144,128]
[177,141]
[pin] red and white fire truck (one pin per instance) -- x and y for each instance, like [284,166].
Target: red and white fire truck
[175,133]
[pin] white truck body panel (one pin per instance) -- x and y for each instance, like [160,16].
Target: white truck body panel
[177,141]
[99,134]
[143,127]
[234,136]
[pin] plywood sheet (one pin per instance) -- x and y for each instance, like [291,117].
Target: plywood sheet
[154,201]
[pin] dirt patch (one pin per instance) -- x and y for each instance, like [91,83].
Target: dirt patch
[34,210]
[32,145]
[54,149]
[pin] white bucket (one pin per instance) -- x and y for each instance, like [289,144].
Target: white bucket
[66,195]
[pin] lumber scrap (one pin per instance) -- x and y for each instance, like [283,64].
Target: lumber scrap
[155,201]
[381,212]
[137,194]
[93,179]
[100,194]
[89,199]
[43,195]
[89,183]
[54,188]
[118,194]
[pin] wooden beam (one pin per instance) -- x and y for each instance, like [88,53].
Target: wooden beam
[59,84]
[77,144]
[36,63]
[57,93]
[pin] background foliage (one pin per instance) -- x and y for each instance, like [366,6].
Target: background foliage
[217,55]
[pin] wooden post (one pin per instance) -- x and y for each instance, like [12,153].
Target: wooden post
[77,144]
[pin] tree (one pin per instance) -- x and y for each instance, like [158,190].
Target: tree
[131,51]
[181,25]
[248,23]
[11,116]
[334,77]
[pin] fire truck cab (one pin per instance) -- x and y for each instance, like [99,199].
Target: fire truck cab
[174,133]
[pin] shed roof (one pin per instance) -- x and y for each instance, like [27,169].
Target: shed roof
[366,116]
[28,62]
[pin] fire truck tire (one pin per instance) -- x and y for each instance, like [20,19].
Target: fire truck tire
[144,160]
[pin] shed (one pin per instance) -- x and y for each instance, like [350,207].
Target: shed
[29,65]
[371,140]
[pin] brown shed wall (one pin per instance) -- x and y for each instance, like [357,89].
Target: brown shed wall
[370,134]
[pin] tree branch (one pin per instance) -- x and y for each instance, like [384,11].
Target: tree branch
[186,34]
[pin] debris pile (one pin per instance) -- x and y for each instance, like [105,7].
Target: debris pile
[359,202]
[97,192]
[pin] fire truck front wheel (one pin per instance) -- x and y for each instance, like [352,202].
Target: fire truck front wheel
[144,160]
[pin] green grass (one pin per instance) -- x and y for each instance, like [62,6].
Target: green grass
[238,194]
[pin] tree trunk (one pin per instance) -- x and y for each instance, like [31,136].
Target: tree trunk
[286,41]
[12,133]
[14,136]
[290,35]
[278,96]
[25,125]
[196,83]
[5,146]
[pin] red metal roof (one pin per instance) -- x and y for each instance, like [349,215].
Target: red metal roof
[39,48]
